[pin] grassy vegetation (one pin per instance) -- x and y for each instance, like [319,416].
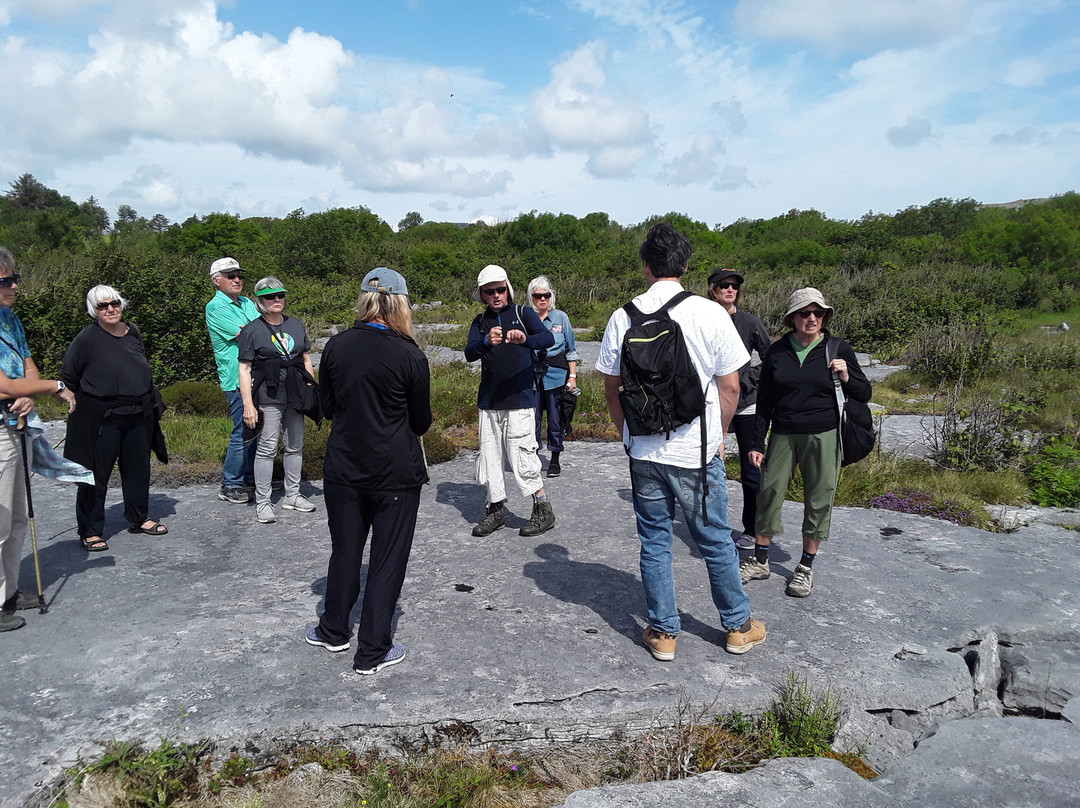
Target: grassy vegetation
[799,723]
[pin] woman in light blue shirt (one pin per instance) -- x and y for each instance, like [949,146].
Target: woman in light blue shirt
[557,371]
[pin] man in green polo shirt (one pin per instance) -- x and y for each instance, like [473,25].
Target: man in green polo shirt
[226,313]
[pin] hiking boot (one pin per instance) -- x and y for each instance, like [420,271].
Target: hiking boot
[20,600]
[542,520]
[661,646]
[9,621]
[393,657]
[743,639]
[297,503]
[237,496]
[493,520]
[801,583]
[264,512]
[744,541]
[753,570]
[312,637]
[554,469]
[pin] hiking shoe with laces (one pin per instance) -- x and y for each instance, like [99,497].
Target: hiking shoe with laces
[312,637]
[743,639]
[237,496]
[494,518]
[753,570]
[744,541]
[297,503]
[264,512]
[393,657]
[660,645]
[801,583]
[542,520]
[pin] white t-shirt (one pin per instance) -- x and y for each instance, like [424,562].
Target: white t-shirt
[715,349]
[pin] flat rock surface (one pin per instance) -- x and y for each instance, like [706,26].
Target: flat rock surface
[199,634]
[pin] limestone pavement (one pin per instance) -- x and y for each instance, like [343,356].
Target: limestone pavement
[913,623]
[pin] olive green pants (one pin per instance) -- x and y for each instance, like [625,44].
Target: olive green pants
[818,457]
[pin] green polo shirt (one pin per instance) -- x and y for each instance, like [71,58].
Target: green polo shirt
[224,319]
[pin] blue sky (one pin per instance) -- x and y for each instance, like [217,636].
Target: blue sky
[719,110]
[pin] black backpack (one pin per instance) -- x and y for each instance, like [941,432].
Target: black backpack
[659,387]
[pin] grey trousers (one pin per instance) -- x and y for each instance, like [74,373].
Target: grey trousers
[277,420]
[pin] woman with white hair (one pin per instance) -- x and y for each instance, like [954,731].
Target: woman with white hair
[557,368]
[116,420]
[273,354]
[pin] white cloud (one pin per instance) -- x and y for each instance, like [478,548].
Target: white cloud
[854,24]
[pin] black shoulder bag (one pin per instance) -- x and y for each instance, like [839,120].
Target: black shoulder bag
[856,433]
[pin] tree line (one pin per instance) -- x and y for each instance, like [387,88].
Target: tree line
[889,275]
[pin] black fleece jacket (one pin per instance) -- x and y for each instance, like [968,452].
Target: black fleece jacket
[799,399]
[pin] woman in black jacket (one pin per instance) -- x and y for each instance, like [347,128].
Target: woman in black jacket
[796,397]
[376,391]
[725,288]
[117,418]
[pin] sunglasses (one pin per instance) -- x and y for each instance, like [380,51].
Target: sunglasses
[541,295]
[106,304]
[9,280]
[498,290]
[234,276]
[727,285]
[808,313]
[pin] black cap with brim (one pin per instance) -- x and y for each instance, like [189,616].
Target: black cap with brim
[718,275]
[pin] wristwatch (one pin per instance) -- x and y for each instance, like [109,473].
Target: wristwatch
[60,387]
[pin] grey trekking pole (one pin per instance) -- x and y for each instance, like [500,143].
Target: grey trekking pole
[30,512]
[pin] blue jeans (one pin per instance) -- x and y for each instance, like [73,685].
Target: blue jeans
[239,467]
[657,488]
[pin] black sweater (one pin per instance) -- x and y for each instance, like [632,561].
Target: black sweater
[375,389]
[799,399]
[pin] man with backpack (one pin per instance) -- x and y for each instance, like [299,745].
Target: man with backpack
[503,337]
[671,363]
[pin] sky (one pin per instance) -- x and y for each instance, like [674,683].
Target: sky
[718,109]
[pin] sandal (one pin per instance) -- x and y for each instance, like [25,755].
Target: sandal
[94,545]
[156,529]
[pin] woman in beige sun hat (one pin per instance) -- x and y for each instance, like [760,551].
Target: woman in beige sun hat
[797,400]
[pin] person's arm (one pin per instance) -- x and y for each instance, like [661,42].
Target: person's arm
[251,415]
[18,388]
[308,366]
[852,379]
[326,380]
[728,388]
[537,336]
[611,395]
[24,405]
[222,322]
[571,352]
[419,399]
[476,345]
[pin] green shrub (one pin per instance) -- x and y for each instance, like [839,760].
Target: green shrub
[1055,476]
[195,398]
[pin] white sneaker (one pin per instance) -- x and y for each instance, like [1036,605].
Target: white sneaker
[753,570]
[801,583]
[297,503]
[265,513]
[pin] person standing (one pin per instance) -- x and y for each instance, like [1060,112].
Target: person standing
[272,350]
[797,411]
[503,337]
[227,312]
[376,390]
[559,368]
[19,382]
[666,468]
[725,288]
[117,419]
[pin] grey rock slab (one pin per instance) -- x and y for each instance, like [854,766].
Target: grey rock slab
[1006,762]
[514,641]
[805,783]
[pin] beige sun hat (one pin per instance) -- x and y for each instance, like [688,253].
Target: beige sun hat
[801,298]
